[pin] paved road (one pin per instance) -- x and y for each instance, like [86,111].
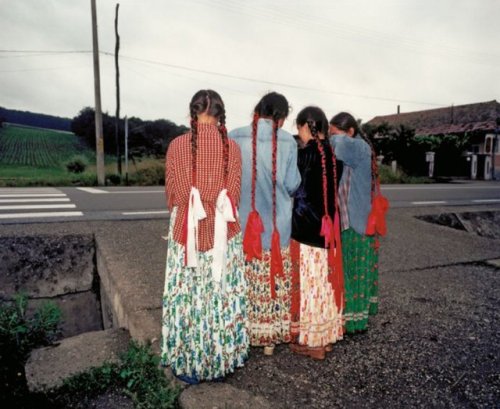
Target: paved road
[28,205]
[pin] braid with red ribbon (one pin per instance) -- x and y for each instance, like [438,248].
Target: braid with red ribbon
[225,144]
[274,160]
[254,156]
[194,146]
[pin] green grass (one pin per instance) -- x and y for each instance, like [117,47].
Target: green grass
[38,157]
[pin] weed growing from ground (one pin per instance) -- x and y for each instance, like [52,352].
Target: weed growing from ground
[137,375]
[19,334]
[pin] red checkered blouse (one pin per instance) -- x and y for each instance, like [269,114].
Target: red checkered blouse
[210,180]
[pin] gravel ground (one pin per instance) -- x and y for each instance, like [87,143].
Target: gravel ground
[435,343]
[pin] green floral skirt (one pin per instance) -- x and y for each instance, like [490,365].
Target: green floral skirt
[204,334]
[360,259]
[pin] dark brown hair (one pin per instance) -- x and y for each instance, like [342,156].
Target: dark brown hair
[273,106]
[317,123]
[344,121]
[210,103]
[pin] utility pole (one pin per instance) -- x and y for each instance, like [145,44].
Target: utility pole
[99,138]
[126,150]
[117,117]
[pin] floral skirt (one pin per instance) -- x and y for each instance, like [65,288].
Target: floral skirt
[269,319]
[204,334]
[316,320]
[360,279]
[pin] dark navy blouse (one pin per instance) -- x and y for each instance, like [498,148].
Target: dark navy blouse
[308,207]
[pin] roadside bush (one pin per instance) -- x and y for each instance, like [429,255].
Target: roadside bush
[113,179]
[77,164]
[151,176]
[387,176]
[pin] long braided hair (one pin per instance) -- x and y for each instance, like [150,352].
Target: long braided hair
[210,103]
[317,123]
[344,121]
[272,106]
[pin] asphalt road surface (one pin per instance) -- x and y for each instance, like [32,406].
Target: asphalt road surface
[28,205]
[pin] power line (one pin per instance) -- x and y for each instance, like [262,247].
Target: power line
[273,83]
[47,51]
[340,30]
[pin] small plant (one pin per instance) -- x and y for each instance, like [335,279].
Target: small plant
[21,333]
[136,375]
[144,382]
[77,164]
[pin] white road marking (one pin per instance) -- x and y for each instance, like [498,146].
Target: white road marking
[29,190]
[486,200]
[91,190]
[429,202]
[26,207]
[33,200]
[128,192]
[138,191]
[432,187]
[40,214]
[152,212]
[34,195]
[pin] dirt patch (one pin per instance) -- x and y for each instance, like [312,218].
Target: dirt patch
[485,224]
[46,266]
[434,343]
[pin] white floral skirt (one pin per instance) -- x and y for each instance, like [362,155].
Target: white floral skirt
[204,325]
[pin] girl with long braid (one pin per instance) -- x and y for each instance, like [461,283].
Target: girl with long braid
[360,255]
[269,179]
[317,277]
[204,335]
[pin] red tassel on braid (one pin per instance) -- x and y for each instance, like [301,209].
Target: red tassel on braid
[376,225]
[276,258]
[336,276]
[326,221]
[252,240]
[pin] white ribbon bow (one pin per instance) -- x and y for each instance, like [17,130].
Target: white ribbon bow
[223,215]
[196,212]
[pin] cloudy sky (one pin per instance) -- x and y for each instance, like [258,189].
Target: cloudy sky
[362,56]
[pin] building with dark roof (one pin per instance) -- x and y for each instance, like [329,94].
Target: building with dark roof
[480,121]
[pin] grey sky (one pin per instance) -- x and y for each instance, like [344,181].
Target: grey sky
[362,56]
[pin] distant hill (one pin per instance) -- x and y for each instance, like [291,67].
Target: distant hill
[35,120]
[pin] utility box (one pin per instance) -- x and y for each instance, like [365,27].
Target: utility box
[429,158]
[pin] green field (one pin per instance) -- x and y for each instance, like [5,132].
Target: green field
[38,157]
[33,156]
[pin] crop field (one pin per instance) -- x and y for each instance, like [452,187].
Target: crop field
[38,148]
[38,157]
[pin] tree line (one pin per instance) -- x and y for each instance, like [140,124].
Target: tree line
[145,137]
[34,119]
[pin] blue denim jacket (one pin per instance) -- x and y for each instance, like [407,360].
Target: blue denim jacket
[287,179]
[356,154]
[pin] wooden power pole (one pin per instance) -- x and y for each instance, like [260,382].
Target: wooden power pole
[99,137]
[117,117]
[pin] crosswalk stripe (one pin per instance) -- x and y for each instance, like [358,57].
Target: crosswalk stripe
[34,200]
[32,207]
[33,195]
[39,214]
